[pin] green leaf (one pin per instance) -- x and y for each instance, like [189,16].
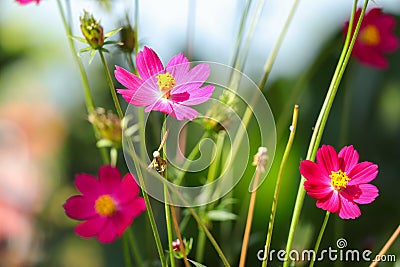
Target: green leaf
[92,53]
[80,39]
[197,264]
[111,33]
[220,215]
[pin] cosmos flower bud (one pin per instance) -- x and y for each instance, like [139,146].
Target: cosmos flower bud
[108,127]
[128,38]
[92,30]
[187,246]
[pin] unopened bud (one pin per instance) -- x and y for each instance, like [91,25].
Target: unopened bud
[92,30]
[128,38]
[108,127]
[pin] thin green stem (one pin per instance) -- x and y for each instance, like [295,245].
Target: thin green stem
[189,160]
[241,58]
[127,255]
[271,59]
[111,85]
[320,235]
[322,119]
[166,198]
[148,204]
[212,174]
[85,82]
[239,36]
[278,184]
[133,245]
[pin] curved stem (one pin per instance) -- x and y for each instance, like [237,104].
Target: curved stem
[322,119]
[320,235]
[85,82]
[278,184]
[111,85]
[271,59]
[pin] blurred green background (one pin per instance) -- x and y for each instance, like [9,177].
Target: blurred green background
[45,138]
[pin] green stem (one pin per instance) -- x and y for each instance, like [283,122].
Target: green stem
[166,198]
[111,85]
[212,174]
[189,160]
[127,255]
[239,36]
[136,27]
[320,235]
[148,204]
[241,58]
[278,184]
[132,241]
[85,82]
[271,59]
[322,119]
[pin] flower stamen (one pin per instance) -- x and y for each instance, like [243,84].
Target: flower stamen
[105,205]
[370,35]
[339,179]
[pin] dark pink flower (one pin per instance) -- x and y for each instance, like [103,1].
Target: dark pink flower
[169,90]
[339,182]
[375,38]
[25,2]
[107,205]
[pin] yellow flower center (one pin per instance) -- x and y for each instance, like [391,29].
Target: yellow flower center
[165,81]
[370,35]
[105,206]
[339,179]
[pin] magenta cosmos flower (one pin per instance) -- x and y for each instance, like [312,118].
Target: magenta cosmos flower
[24,2]
[107,205]
[169,90]
[375,38]
[339,182]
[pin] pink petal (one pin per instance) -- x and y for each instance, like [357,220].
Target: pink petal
[163,105]
[317,190]
[348,158]
[126,214]
[368,194]
[88,185]
[311,171]
[127,191]
[110,178]
[327,159]
[79,208]
[178,66]
[127,79]
[348,209]
[181,112]
[126,94]
[90,227]
[147,94]
[363,173]
[195,77]
[148,63]
[330,203]
[108,233]
[199,96]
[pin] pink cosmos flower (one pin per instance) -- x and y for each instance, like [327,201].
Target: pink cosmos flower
[339,182]
[24,2]
[107,205]
[375,38]
[169,90]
